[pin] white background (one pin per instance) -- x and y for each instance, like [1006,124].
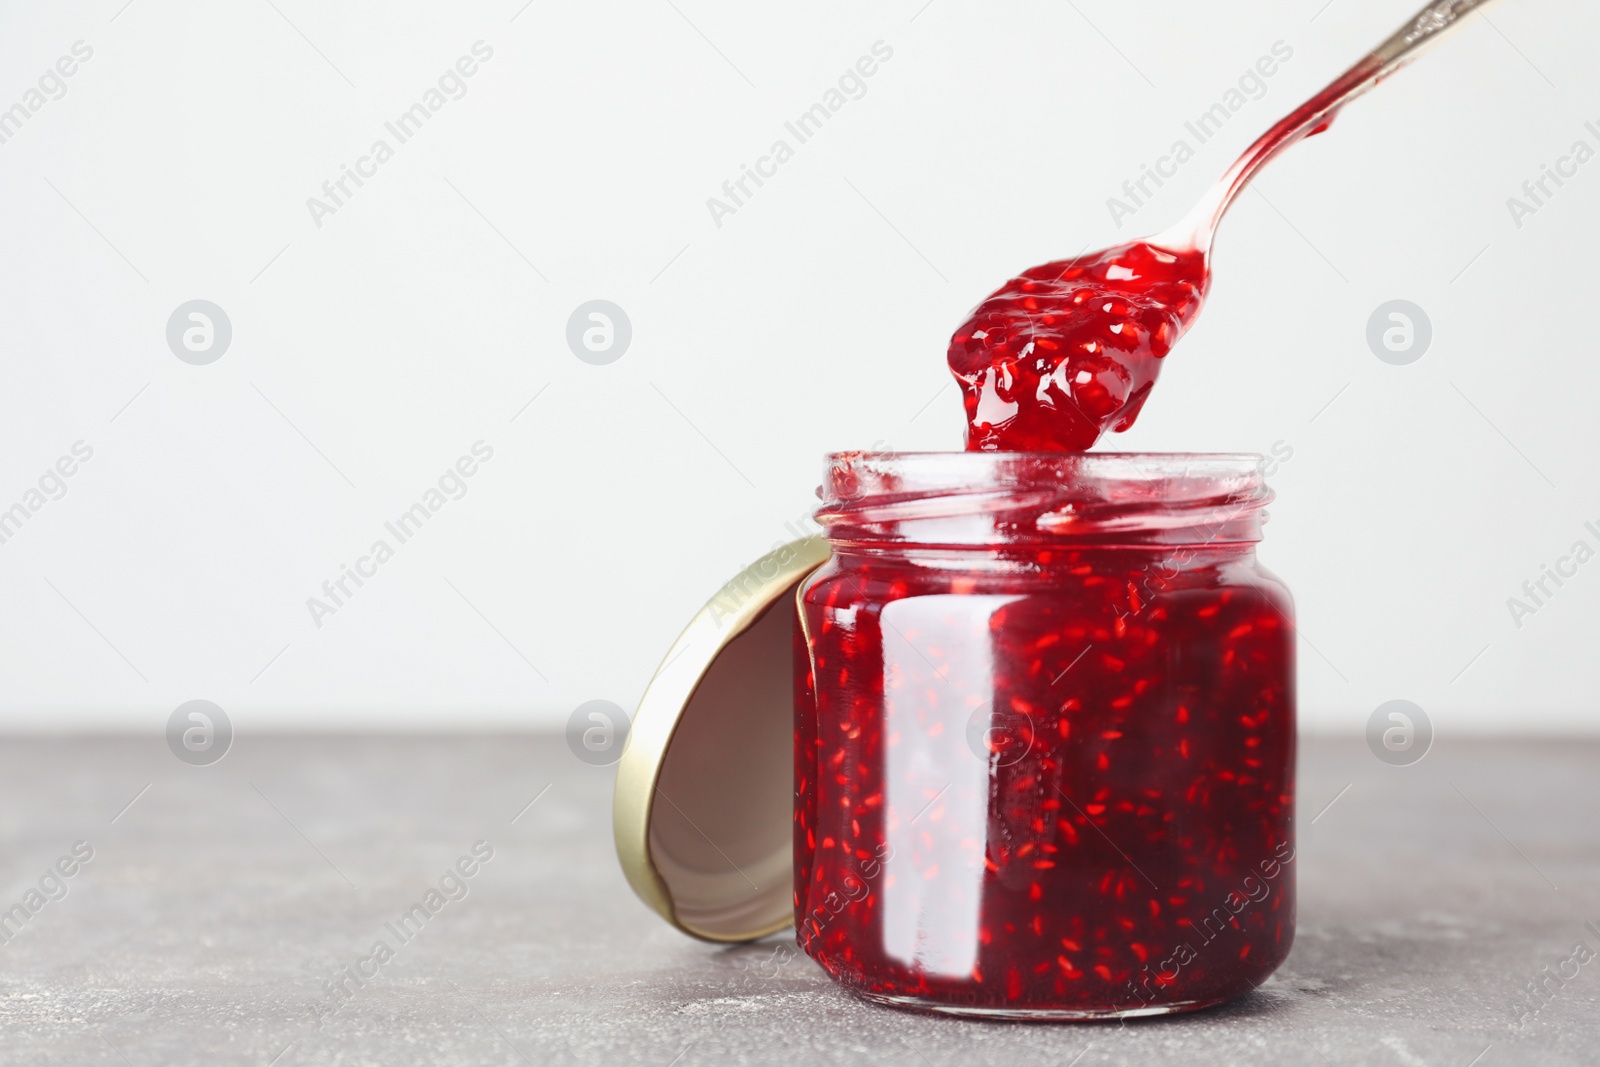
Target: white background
[372,351]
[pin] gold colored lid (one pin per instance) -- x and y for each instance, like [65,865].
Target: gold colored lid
[704,807]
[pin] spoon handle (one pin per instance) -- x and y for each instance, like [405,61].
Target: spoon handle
[1426,28]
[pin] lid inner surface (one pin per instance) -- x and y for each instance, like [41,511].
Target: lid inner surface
[721,820]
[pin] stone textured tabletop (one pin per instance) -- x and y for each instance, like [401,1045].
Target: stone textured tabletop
[217,909]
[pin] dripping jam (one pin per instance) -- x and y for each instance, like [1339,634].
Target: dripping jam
[1070,350]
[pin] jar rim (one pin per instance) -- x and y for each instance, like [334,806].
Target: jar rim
[1041,498]
[1058,457]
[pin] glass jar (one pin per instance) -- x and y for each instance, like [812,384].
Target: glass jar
[1045,734]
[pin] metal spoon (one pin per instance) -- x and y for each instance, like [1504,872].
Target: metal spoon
[1424,30]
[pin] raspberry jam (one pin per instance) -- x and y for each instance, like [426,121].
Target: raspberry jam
[1044,743]
[1069,350]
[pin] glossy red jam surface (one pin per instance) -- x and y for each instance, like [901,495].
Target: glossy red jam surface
[1045,780]
[1070,350]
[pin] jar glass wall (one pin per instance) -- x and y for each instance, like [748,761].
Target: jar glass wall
[1044,745]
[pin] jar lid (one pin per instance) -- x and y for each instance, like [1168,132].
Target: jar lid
[703,813]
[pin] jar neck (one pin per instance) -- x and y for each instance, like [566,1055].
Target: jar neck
[1067,563]
[1041,503]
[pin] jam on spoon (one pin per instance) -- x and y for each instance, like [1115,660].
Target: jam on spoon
[1069,350]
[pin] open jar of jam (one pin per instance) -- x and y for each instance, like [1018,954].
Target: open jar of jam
[1042,731]
[1044,741]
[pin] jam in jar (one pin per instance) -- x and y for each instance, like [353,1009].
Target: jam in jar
[1045,734]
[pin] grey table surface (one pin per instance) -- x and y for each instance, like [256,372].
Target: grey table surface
[218,908]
